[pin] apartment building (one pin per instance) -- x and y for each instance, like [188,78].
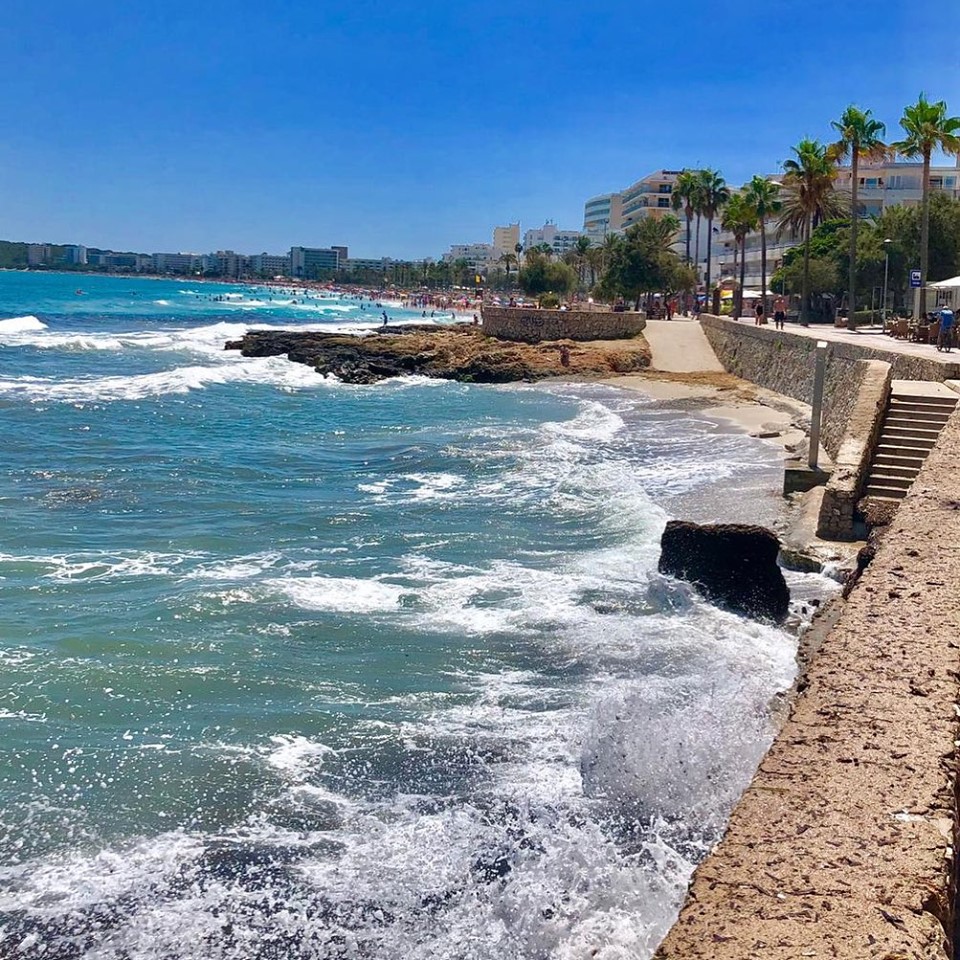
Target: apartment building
[479,256]
[270,265]
[505,239]
[602,215]
[880,186]
[311,262]
[560,240]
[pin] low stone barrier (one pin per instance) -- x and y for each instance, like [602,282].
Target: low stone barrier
[852,460]
[529,325]
[843,845]
[783,362]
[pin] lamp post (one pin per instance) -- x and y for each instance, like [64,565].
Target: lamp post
[886,272]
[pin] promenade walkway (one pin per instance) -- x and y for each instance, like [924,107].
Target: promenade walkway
[680,346]
[872,337]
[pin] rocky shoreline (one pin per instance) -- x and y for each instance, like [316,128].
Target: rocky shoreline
[455,352]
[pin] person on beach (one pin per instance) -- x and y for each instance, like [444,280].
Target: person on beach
[945,336]
[761,318]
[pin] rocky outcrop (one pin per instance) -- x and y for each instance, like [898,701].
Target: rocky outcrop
[459,352]
[734,565]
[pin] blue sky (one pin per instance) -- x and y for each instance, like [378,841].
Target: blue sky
[400,127]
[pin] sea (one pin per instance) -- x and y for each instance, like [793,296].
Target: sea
[297,669]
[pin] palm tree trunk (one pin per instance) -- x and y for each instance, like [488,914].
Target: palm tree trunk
[709,248]
[743,275]
[854,223]
[763,264]
[689,220]
[925,233]
[697,246]
[805,284]
[736,260]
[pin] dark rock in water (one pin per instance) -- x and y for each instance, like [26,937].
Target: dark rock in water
[734,565]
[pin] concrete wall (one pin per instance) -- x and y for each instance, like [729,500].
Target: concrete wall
[843,845]
[852,460]
[782,361]
[532,326]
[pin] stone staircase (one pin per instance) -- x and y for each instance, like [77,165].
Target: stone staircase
[915,415]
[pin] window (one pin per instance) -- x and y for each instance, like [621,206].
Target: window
[666,188]
[663,201]
[950,182]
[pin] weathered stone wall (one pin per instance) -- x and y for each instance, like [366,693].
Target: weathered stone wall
[843,845]
[532,326]
[782,361]
[852,461]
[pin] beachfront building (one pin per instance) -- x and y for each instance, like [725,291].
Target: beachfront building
[505,239]
[479,257]
[312,262]
[881,186]
[270,265]
[560,240]
[178,263]
[602,215]
[650,196]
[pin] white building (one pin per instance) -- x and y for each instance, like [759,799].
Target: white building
[270,264]
[881,186]
[181,263]
[602,215]
[479,256]
[560,240]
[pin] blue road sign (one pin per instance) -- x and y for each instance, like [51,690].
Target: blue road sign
[914,278]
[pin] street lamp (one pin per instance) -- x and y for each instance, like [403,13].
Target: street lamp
[886,272]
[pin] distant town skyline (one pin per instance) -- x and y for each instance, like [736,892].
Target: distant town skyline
[254,127]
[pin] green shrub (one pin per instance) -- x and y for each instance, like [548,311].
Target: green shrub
[549,301]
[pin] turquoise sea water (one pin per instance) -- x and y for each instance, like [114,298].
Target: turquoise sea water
[298,669]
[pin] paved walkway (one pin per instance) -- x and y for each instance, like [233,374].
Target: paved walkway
[871,337]
[680,346]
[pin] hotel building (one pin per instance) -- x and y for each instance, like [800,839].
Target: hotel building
[881,186]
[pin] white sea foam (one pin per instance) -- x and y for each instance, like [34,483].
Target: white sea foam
[339,594]
[296,756]
[21,325]
[275,371]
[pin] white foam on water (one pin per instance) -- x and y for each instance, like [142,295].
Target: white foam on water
[273,371]
[339,594]
[25,324]
[296,756]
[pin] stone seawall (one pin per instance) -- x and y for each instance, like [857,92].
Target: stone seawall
[843,845]
[783,362]
[852,460]
[533,326]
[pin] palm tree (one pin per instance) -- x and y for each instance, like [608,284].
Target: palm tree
[595,257]
[860,137]
[764,197]
[506,259]
[927,128]
[580,250]
[740,218]
[684,195]
[714,193]
[518,250]
[808,195]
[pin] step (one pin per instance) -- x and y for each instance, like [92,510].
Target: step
[908,433]
[882,465]
[885,493]
[920,444]
[882,478]
[908,422]
[930,409]
[936,401]
[904,458]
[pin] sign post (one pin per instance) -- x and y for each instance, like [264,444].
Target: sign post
[915,284]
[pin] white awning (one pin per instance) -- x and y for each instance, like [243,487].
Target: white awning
[950,284]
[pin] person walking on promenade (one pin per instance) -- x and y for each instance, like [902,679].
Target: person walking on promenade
[761,318]
[945,336]
[779,313]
